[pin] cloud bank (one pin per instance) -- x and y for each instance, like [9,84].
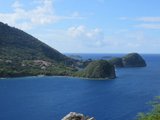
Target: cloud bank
[145,22]
[43,13]
[91,37]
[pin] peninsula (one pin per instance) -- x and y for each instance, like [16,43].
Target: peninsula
[24,55]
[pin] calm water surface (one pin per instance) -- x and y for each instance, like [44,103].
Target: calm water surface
[51,98]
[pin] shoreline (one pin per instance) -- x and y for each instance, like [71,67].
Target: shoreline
[39,76]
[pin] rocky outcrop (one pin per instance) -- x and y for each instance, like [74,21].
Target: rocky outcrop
[98,69]
[77,116]
[133,60]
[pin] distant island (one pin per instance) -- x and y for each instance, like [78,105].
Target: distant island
[24,55]
[78,57]
[130,60]
[106,57]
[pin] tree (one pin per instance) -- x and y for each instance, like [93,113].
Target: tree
[154,114]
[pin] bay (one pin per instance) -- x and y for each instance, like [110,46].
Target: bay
[51,98]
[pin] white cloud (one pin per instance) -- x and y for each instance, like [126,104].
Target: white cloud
[123,18]
[42,14]
[148,19]
[146,22]
[89,37]
[17,4]
[141,19]
[148,26]
[76,15]
[74,39]
[93,40]
[129,41]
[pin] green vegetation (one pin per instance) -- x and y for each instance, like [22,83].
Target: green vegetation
[130,60]
[116,61]
[32,68]
[18,45]
[154,114]
[133,60]
[21,55]
[97,69]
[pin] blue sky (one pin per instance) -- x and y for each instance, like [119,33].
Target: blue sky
[88,26]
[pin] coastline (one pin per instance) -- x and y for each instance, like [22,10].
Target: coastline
[39,76]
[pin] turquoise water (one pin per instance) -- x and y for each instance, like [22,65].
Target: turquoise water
[51,98]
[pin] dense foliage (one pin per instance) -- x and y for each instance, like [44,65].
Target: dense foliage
[154,114]
[117,62]
[21,54]
[133,60]
[10,68]
[16,44]
[98,69]
[129,60]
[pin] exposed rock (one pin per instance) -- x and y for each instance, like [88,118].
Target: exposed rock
[42,63]
[8,61]
[98,69]
[43,68]
[77,116]
[133,60]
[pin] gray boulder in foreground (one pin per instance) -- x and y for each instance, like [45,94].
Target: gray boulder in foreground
[77,116]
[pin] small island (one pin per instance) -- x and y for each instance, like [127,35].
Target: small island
[77,57]
[98,69]
[129,60]
[133,60]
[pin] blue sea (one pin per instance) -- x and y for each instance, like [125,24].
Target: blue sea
[51,98]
